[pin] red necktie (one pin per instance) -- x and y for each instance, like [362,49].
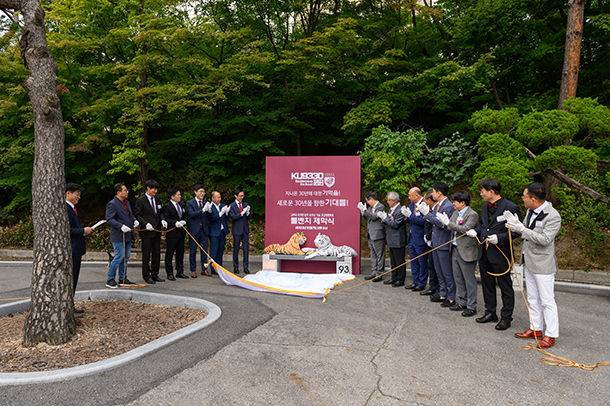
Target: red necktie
[200,206]
[240,207]
[75,212]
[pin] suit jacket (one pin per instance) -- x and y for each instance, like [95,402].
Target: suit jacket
[538,253]
[440,234]
[77,233]
[374,225]
[216,220]
[396,236]
[467,246]
[145,214]
[496,225]
[240,223]
[117,216]
[417,227]
[198,221]
[172,217]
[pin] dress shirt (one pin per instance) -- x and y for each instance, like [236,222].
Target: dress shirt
[460,213]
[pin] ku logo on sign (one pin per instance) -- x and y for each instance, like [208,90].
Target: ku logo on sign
[329,181]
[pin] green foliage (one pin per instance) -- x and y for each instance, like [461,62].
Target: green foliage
[509,172]
[451,161]
[495,121]
[546,128]
[500,145]
[571,159]
[389,159]
[593,118]
[369,113]
[20,235]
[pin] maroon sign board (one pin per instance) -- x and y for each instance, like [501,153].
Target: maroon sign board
[313,194]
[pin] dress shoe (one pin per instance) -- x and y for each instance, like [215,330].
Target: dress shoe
[246,270]
[448,303]
[214,272]
[193,274]
[79,315]
[437,299]
[503,324]
[378,279]
[398,284]
[78,311]
[457,307]
[149,281]
[236,271]
[368,278]
[171,278]
[469,313]
[546,342]
[418,289]
[529,333]
[389,282]
[411,286]
[157,279]
[488,318]
[182,276]
[426,292]
[206,273]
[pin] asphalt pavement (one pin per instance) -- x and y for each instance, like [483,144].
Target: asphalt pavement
[371,345]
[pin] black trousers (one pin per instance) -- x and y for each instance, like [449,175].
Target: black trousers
[151,252]
[76,260]
[488,283]
[397,257]
[243,239]
[174,246]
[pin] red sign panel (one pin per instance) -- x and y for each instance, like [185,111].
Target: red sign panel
[314,194]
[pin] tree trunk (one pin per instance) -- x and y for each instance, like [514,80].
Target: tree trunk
[50,318]
[571,59]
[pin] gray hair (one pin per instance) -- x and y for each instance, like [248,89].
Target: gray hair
[394,196]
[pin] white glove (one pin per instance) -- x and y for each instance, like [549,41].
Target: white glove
[493,239]
[179,224]
[361,206]
[471,233]
[443,218]
[136,224]
[245,211]
[125,229]
[149,227]
[405,211]
[164,223]
[513,221]
[428,242]
[207,207]
[224,210]
[183,223]
[423,208]
[382,215]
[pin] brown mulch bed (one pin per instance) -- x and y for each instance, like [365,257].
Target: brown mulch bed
[108,328]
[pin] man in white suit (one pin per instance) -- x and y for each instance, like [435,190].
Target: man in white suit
[538,230]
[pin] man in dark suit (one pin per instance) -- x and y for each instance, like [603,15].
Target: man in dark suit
[494,252]
[434,287]
[77,233]
[396,239]
[175,215]
[376,234]
[440,236]
[121,220]
[199,229]
[239,212]
[415,240]
[218,227]
[148,212]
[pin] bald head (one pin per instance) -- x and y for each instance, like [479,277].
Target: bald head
[414,195]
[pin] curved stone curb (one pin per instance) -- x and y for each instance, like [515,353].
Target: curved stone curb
[25,378]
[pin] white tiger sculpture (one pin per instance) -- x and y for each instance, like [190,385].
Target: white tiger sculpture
[325,248]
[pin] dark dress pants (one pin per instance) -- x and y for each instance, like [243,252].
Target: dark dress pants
[151,252]
[202,239]
[397,257]
[243,240]
[76,260]
[419,267]
[488,284]
[174,245]
[217,247]
[434,285]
